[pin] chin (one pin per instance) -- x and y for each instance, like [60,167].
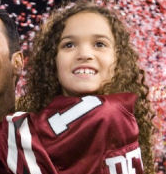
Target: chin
[87,92]
[79,93]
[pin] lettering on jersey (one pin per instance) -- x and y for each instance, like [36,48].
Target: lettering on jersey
[59,122]
[126,163]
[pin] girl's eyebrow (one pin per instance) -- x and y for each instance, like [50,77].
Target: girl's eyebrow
[95,36]
[67,37]
[103,36]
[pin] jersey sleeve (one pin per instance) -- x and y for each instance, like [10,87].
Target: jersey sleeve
[20,149]
[125,155]
[127,100]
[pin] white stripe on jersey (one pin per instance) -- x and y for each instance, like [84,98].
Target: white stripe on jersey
[12,148]
[26,141]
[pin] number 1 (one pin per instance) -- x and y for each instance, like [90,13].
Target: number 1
[59,122]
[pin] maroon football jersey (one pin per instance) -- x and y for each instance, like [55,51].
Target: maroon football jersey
[74,135]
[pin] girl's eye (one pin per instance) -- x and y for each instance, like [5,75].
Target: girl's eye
[100,44]
[68,45]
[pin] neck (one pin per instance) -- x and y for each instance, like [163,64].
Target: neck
[7,104]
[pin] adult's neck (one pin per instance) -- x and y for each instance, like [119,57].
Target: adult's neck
[7,103]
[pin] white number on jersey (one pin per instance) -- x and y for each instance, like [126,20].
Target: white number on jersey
[59,122]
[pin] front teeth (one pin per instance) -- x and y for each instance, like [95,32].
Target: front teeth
[84,71]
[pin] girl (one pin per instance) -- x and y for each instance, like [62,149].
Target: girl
[82,57]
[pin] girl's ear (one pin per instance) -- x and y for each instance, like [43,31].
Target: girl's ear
[17,62]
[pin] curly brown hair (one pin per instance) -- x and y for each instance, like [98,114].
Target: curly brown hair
[42,82]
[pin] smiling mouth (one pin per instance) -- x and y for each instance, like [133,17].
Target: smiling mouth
[87,71]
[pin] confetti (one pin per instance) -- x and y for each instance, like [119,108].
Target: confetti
[146,21]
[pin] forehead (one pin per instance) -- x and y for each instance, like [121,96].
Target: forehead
[87,23]
[3,39]
[2,28]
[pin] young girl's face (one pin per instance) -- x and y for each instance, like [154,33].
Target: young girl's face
[86,54]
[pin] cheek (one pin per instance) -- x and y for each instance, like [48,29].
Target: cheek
[6,76]
[61,68]
[5,64]
[109,68]
[4,50]
[58,66]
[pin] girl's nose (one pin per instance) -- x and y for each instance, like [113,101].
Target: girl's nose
[85,53]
